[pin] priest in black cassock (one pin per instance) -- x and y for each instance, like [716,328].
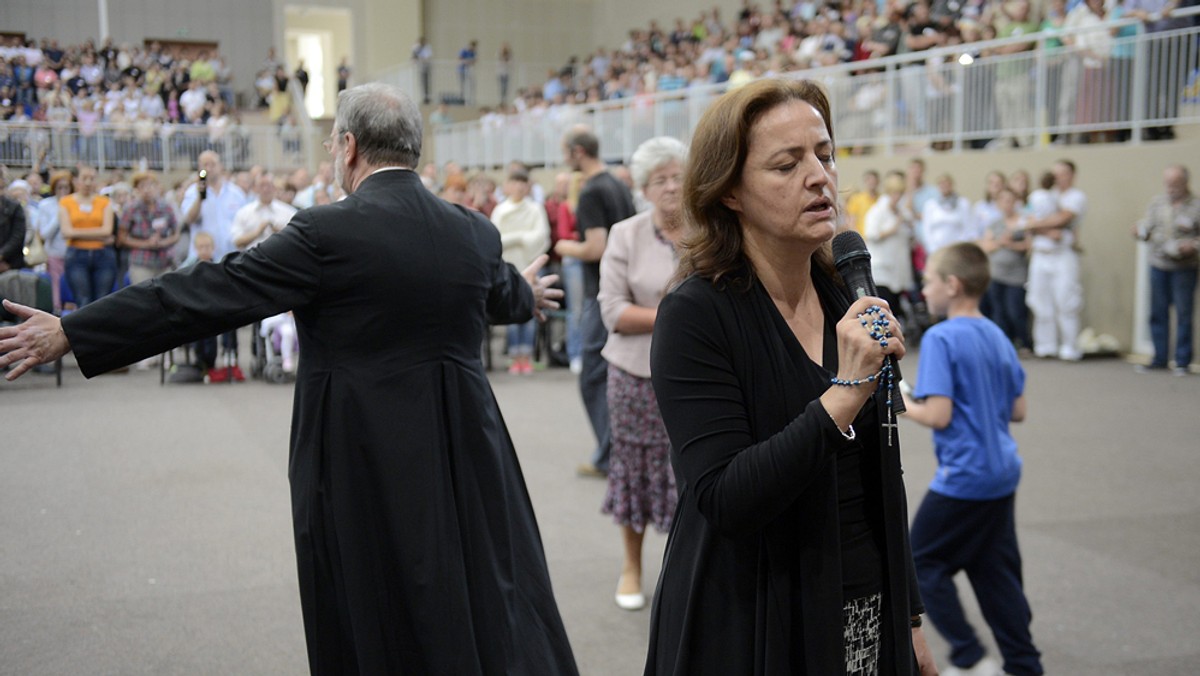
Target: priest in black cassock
[416,543]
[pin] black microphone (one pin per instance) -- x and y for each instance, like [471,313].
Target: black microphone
[853,263]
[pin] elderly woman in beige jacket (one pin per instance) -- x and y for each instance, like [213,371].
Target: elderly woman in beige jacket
[524,235]
[637,266]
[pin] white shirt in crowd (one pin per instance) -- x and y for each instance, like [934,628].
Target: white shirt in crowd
[946,221]
[889,239]
[307,198]
[249,217]
[216,216]
[1072,200]
[524,231]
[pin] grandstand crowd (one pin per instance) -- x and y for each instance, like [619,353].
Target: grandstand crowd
[143,96]
[1092,66]
[142,92]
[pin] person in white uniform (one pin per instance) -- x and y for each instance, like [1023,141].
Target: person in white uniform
[1054,294]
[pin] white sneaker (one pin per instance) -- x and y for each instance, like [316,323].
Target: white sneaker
[984,667]
[1070,354]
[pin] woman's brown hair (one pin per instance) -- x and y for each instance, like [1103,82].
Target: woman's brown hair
[58,177]
[720,143]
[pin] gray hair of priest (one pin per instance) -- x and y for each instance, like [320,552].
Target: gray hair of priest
[385,122]
[654,154]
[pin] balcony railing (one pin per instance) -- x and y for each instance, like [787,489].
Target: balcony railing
[482,85]
[950,96]
[157,147]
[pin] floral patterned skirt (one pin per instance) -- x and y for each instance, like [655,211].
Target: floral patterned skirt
[641,483]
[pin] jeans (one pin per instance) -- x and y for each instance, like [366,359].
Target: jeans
[572,280]
[593,380]
[91,273]
[1005,305]
[979,537]
[521,337]
[1167,288]
[206,349]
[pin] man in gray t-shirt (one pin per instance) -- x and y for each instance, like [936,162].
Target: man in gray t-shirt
[1172,228]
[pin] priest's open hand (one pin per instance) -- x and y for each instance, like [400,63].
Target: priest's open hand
[545,297]
[39,339]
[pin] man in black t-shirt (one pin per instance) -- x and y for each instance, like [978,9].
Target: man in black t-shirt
[603,201]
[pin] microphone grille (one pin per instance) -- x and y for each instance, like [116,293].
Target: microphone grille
[847,245]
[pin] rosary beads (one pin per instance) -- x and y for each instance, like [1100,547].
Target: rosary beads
[877,324]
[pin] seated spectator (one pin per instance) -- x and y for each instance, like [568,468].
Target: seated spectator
[282,328]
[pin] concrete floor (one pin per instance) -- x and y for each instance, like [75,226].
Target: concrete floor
[146,529]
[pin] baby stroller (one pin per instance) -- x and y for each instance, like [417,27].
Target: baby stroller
[267,357]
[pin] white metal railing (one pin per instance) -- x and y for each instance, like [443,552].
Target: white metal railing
[482,85]
[1141,80]
[161,147]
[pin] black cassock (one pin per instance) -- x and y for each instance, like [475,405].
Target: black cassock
[416,543]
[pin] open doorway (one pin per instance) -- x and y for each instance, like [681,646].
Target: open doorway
[318,38]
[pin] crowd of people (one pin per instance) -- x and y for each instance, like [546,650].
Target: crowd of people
[1089,73]
[757,427]
[143,95]
[1028,224]
[92,236]
[1030,233]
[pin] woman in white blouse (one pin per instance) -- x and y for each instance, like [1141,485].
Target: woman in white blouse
[888,231]
[637,266]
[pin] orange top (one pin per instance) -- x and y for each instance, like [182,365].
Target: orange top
[92,219]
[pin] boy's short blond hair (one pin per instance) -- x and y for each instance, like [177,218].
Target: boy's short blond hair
[967,262]
[202,237]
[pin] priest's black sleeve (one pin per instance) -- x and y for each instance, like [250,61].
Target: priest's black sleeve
[205,299]
[740,484]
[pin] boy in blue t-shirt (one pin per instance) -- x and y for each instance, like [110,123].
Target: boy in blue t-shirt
[969,387]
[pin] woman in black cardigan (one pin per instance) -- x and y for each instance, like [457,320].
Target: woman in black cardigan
[789,551]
